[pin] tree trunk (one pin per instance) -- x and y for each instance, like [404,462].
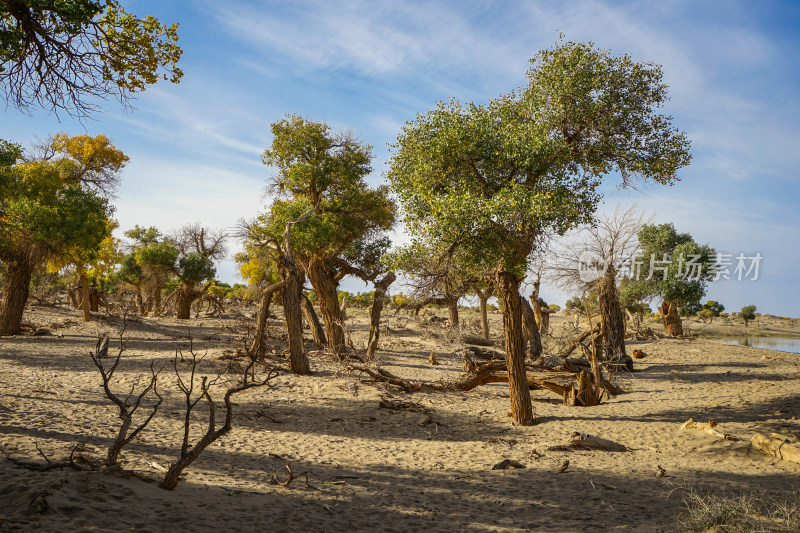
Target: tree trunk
[73,298]
[139,301]
[94,299]
[612,321]
[324,285]
[671,319]
[532,337]
[537,309]
[257,346]
[452,309]
[85,303]
[375,313]
[15,296]
[183,298]
[484,296]
[313,321]
[507,287]
[298,360]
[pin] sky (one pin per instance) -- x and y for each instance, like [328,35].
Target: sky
[370,66]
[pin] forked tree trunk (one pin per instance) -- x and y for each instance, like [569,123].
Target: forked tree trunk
[452,308]
[15,296]
[325,288]
[85,303]
[507,288]
[671,319]
[257,346]
[313,320]
[381,287]
[612,321]
[484,296]
[532,337]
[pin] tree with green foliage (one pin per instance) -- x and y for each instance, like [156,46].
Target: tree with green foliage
[493,179]
[198,247]
[714,306]
[674,268]
[155,257]
[705,315]
[434,276]
[340,220]
[64,56]
[47,211]
[748,313]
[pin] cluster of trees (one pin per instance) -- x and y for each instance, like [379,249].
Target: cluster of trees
[482,186]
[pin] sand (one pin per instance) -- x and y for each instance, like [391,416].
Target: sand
[376,469]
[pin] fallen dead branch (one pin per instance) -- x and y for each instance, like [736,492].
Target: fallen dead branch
[589,442]
[710,427]
[777,446]
[292,476]
[574,387]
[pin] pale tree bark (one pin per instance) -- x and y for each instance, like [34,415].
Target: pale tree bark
[507,288]
[381,286]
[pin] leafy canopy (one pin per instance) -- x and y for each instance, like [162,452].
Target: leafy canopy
[326,171]
[45,214]
[687,265]
[493,178]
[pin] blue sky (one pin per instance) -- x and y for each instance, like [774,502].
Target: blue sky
[370,66]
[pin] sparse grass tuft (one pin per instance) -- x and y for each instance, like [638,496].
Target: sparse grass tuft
[740,512]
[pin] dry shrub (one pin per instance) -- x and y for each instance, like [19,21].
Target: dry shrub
[739,512]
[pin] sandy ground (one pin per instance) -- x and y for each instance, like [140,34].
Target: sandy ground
[377,469]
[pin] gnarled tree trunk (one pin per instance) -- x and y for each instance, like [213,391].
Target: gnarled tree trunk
[313,321]
[257,346]
[532,337]
[184,297]
[15,296]
[321,279]
[85,302]
[611,318]
[671,319]
[298,359]
[507,288]
[381,287]
[484,296]
[452,308]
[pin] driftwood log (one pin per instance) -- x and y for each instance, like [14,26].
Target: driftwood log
[776,446]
